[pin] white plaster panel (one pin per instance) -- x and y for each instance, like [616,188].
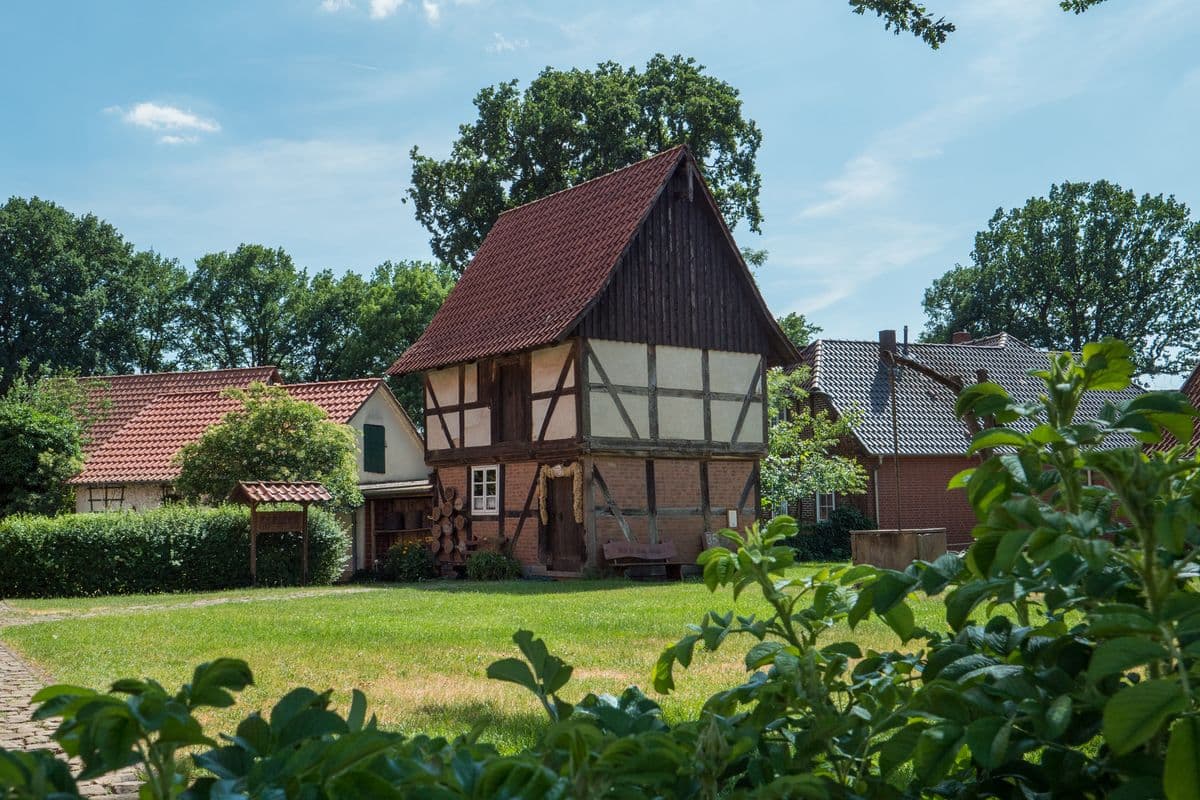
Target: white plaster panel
[623,362]
[445,386]
[435,435]
[478,427]
[562,424]
[752,428]
[606,419]
[678,367]
[546,365]
[724,419]
[680,418]
[731,372]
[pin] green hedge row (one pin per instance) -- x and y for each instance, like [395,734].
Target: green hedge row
[171,549]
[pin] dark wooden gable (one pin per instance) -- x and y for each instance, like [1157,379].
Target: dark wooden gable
[681,282]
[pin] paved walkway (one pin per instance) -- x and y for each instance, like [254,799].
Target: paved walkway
[10,615]
[19,681]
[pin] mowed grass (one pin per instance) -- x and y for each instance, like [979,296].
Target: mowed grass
[419,653]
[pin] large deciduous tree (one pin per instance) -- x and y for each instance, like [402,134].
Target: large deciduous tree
[243,309]
[911,16]
[569,126]
[74,295]
[1089,261]
[271,437]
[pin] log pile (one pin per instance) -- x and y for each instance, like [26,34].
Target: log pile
[451,528]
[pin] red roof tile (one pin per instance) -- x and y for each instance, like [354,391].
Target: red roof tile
[129,394]
[280,492]
[540,266]
[142,451]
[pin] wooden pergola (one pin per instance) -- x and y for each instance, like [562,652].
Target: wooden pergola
[256,493]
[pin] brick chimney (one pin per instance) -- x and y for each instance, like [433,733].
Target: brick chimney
[960,337]
[887,342]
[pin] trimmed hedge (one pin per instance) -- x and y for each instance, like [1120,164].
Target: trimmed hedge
[830,541]
[172,549]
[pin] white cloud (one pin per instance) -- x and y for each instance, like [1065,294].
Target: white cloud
[381,9]
[333,6]
[176,125]
[502,44]
[433,12]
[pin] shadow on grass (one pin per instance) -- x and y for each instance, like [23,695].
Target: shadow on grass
[509,732]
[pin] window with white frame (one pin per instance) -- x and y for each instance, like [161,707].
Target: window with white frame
[826,503]
[485,490]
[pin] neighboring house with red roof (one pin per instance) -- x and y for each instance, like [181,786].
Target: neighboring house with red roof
[599,372]
[132,466]
[930,439]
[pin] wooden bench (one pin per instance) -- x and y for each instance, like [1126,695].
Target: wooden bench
[637,560]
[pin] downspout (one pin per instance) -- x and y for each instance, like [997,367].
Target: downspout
[875,485]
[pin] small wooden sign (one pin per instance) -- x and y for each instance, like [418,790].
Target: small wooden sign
[280,521]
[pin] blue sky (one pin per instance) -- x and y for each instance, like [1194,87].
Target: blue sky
[196,126]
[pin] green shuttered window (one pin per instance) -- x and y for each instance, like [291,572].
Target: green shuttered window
[374,445]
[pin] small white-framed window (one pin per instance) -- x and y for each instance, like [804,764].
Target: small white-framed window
[485,490]
[826,503]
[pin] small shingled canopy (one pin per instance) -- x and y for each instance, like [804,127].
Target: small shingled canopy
[302,493]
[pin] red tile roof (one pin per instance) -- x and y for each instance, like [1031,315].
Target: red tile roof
[280,492]
[142,451]
[129,394]
[540,266]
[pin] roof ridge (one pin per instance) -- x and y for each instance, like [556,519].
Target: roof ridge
[617,171]
[328,383]
[179,372]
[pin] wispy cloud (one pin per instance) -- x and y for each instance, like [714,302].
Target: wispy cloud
[177,125]
[381,9]
[502,44]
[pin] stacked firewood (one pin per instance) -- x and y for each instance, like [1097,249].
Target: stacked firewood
[451,528]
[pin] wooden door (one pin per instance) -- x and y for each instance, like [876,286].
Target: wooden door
[513,395]
[564,536]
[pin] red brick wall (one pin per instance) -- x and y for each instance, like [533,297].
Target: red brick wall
[517,479]
[926,502]
[676,486]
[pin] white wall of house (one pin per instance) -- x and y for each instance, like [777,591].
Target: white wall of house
[130,497]
[404,452]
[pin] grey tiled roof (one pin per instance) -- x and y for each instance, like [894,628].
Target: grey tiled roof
[851,375]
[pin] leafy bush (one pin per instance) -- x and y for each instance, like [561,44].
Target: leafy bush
[488,566]
[830,540]
[172,549]
[1064,667]
[408,563]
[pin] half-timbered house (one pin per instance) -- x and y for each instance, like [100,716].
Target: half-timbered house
[599,372]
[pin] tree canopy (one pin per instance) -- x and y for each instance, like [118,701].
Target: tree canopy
[43,426]
[74,294]
[800,458]
[798,329]
[1089,261]
[911,16]
[271,437]
[569,126]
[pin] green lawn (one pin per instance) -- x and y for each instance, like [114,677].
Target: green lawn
[419,653]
